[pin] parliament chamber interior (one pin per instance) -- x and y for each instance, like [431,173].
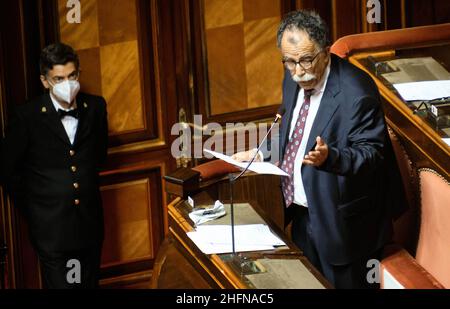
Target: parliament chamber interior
[181,76]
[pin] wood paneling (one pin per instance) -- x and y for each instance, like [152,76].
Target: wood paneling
[226,69]
[263,69]
[259,9]
[117,21]
[81,35]
[90,77]
[427,12]
[121,87]
[134,218]
[242,56]
[221,13]
[129,235]
[111,40]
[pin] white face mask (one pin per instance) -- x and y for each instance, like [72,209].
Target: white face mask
[67,90]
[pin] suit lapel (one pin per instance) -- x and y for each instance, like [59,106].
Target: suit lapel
[328,104]
[51,118]
[291,93]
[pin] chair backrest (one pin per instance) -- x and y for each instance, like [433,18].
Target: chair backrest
[346,45]
[433,248]
[406,227]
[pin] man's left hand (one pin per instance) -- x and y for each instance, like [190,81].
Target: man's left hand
[319,155]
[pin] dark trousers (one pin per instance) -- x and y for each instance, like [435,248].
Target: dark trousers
[349,276]
[72,269]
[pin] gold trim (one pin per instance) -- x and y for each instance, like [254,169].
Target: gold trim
[334,20]
[145,145]
[227,272]
[427,169]
[155,36]
[403,12]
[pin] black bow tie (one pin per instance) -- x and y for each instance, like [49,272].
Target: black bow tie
[73,112]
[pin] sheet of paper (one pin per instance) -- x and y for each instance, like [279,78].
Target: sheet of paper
[217,238]
[446,140]
[407,70]
[257,167]
[428,90]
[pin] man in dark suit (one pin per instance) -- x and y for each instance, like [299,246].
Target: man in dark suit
[50,160]
[334,145]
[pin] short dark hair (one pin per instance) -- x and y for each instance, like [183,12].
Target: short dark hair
[308,21]
[57,53]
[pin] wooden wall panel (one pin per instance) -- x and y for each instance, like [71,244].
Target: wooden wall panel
[263,69]
[117,62]
[242,62]
[427,12]
[121,87]
[127,222]
[134,209]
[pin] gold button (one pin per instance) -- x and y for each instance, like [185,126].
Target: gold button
[72,153]
[73,168]
[76,185]
[76,202]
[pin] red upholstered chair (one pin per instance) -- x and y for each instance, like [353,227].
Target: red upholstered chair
[430,268]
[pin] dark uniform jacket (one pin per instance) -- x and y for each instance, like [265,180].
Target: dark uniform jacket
[55,183]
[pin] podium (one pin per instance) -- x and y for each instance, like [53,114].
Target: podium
[181,264]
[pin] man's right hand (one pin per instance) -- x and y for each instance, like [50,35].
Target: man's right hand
[245,156]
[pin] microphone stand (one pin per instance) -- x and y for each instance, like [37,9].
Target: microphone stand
[240,262]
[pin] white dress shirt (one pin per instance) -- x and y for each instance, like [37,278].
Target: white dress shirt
[316,97]
[70,123]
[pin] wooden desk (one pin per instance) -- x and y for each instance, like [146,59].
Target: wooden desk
[181,264]
[420,136]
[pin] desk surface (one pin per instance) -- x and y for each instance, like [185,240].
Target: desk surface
[216,270]
[421,133]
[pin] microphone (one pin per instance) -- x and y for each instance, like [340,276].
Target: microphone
[278,116]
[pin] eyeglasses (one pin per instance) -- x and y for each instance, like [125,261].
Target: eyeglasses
[60,79]
[305,64]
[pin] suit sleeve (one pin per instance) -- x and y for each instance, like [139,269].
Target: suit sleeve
[103,133]
[12,151]
[366,141]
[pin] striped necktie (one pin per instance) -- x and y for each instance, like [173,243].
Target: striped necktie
[287,165]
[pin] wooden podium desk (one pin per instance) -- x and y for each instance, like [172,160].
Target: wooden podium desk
[181,264]
[420,132]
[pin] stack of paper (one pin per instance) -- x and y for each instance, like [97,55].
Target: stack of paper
[217,238]
[428,90]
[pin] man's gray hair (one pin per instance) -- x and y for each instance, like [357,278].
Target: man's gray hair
[308,21]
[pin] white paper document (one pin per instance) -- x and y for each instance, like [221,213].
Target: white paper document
[257,167]
[446,140]
[406,70]
[427,90]
[251,237]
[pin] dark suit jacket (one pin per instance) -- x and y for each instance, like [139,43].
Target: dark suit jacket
[40,167]
[351,197]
